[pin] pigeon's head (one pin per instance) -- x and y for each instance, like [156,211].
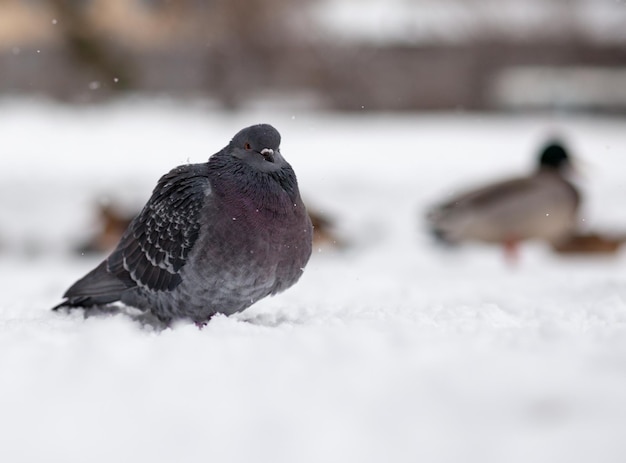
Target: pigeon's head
[554,156]
[258,146]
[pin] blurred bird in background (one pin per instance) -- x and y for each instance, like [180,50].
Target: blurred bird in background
[543,206]
[111,223]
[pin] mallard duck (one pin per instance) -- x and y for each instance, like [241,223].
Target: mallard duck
[542,205]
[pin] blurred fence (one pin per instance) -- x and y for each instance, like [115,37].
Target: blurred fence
[234,51]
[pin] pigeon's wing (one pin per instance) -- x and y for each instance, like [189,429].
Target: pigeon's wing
[154,248]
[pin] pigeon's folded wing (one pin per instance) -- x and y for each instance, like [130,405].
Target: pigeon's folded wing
[154,248]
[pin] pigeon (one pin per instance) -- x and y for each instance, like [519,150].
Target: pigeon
[214,237]
[543,205]
[112,221]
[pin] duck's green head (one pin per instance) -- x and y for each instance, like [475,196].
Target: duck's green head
[554,156]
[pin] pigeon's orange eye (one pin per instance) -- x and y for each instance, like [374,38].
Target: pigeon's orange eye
[247,146]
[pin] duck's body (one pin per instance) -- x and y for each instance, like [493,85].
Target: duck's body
[543,206]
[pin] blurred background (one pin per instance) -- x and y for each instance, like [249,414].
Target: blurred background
[333,54]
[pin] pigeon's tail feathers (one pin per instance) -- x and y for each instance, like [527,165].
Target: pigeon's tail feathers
[98,287]
[85,301]
[97,283]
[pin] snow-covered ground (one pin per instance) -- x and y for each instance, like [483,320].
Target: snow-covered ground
[456,21]
[391,350]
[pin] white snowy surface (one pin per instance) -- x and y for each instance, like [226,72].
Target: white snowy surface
[457,21]
[392,350]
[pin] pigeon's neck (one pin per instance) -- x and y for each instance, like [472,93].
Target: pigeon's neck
[239,184]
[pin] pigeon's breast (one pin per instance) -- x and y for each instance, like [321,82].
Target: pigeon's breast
[245,255]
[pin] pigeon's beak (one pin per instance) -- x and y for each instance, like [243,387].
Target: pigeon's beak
[268,154]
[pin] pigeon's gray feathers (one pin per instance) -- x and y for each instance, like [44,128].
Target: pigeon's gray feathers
[214,237]
[157,243]
[155,246]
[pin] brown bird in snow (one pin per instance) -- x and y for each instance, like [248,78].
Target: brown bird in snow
[543,205]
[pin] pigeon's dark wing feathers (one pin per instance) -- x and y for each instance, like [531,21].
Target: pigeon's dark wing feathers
[156,244]
[97,287]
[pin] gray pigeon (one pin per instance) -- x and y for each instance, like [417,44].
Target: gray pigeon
[213,238]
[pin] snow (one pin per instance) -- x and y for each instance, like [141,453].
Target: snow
[543,86]
[389,350]
[456,21]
